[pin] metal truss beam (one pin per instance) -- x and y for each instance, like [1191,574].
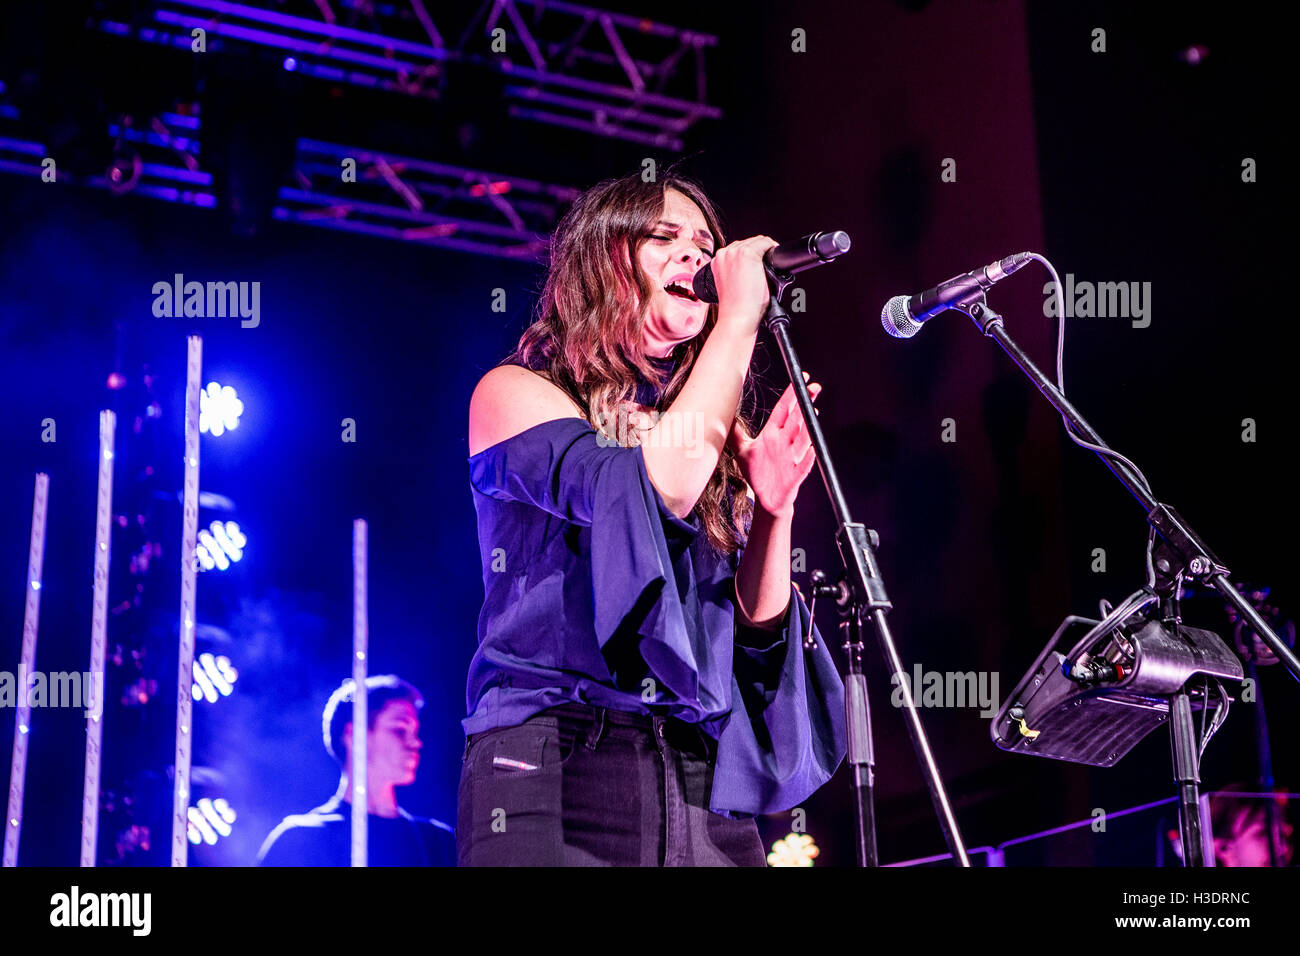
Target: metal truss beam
[157,158]
[376,194]
[567,65]
[414,200]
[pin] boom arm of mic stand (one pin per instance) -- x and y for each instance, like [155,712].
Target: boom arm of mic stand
[866,595]
[1177,534]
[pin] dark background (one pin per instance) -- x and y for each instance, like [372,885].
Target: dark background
[1119,166]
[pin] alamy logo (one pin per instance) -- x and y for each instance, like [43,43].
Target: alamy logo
[1102,300]
[948,689]
[55,689]
[74,908]
[211,300]
[656,430]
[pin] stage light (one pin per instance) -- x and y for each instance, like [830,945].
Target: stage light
[797,849]
[219,409]
[202,688]
[216,820]
[290,64]
[206,563]
[220,544]
[223,808]
[225,669]
[230,538]
[213,677]
[208,820]
[209,552]
[123,173]
[198,829]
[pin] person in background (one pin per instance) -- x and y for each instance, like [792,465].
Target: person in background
[1239,825]
[323,836]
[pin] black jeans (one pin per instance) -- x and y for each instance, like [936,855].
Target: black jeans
[577,785]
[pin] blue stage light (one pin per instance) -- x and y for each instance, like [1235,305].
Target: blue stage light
[220,544]
[219,409]
[213,677]
[208,820]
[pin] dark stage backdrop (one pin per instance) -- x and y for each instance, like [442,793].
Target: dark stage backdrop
[941,137]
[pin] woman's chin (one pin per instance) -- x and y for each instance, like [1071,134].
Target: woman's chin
[688,323]
[678,326]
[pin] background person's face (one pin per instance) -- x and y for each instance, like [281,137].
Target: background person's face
[393,745]
[681,246]
[1249,845]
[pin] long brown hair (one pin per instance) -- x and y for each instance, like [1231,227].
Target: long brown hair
[587,336]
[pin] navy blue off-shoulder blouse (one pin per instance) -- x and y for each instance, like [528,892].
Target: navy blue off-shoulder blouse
[596,593]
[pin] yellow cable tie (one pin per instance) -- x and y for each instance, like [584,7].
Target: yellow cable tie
[1025,731]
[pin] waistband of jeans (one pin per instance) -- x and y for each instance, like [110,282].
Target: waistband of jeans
[592,713]
[682,735]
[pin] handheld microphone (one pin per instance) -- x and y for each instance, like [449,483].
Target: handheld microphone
[815,249]
[904,315]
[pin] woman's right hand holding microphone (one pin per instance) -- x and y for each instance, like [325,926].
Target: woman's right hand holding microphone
[741,282]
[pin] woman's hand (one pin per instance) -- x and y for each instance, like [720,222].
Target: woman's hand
[741,281]
[776,462]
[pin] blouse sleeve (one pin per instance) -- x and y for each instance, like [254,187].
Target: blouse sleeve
[786,734]
[566,468]
[561,466]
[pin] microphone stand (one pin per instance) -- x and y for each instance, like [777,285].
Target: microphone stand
[1182,554]
[859,593]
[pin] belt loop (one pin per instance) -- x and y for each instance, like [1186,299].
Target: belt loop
[597,728]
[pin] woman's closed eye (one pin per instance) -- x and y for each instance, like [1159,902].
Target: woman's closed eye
[707,252]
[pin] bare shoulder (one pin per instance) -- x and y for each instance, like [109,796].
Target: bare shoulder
[511,399]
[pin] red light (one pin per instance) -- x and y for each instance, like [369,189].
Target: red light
[116,380]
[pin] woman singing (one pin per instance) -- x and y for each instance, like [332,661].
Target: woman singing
[640,690]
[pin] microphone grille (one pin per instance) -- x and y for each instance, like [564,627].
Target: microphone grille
[704,286]
[828,245]
[896,319]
